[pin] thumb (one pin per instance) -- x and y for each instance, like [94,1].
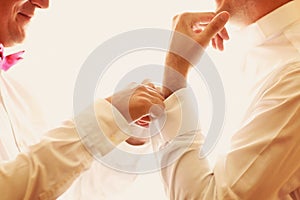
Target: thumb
[215,26]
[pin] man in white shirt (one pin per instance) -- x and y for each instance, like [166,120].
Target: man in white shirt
[264,158]
[43,167]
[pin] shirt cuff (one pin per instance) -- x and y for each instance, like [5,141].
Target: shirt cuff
[181,115]
[180,132]
[101,127]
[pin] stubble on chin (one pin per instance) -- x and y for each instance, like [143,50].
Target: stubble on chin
[234,9]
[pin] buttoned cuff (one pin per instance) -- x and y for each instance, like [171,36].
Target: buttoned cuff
[180,131]
[181,114]
[101,128]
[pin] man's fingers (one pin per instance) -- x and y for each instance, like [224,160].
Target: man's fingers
[216,25]
[149,95]
[136,141]
[155,97]
[224,34]
[148,82]
[198,28]
[150,87]
[202,17]
[219,42]
[213,42]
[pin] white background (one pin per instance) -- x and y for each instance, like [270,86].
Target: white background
[60,39]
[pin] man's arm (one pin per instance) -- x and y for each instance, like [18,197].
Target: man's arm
[188,43]
[49,167]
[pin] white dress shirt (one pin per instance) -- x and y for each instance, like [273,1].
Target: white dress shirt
[263,161]
[21,125]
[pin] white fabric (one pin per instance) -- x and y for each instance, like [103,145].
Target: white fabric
[19,122]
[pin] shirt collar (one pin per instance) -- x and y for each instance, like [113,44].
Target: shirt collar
[273,23]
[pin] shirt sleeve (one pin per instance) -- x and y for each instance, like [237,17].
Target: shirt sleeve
[103,181]
[264,157]
[49,167]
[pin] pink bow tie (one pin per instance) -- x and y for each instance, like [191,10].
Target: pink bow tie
[7,61]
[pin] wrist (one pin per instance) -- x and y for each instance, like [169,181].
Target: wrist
[175,75]
[178,64]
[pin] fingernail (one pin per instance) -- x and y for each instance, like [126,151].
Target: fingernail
[224,16]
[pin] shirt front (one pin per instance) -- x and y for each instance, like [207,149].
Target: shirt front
[21,125]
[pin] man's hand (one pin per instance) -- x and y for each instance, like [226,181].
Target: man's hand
[192,34]
[137,101]
[203,27]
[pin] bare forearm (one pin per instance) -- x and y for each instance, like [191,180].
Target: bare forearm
[189,44]
[175,74]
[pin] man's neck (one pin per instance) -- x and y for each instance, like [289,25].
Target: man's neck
[261,8]
[253,10]
[269,6]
